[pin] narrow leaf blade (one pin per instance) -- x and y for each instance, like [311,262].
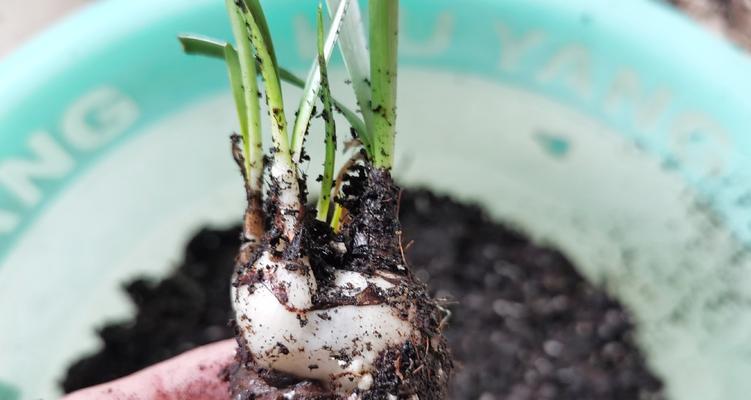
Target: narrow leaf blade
[202,45]
[254,7]
[328,116]
[211,47]
[353,46]
[235,79]
[384,28]
[313,82]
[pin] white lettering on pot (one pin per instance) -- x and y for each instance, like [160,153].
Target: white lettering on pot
[8,221]
[435,43]
[305,37]
[698,140]
[97,118]
[694,138]
[515,48]
[91,122]
[50,161]
[627,92]
[571,66]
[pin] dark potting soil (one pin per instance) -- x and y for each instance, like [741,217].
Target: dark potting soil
[524,324]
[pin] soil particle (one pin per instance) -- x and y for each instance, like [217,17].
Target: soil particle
[524,323]
[189,308]
[373,233]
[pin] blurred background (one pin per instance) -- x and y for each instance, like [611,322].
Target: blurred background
[19,19]
[614,131]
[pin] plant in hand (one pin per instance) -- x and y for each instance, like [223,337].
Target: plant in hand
[325,304]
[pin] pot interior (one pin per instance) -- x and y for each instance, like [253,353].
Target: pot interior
[624,148]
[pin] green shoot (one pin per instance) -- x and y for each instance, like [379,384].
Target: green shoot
[313,84]
[338,209]
[373,74]
[354,50]
[384,29]
[264,51]
[336,218]
[210,47]
[250,120]
[328,116]
[283,172]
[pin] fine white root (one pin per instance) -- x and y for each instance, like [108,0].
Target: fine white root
[336,346]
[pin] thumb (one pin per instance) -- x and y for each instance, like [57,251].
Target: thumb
[193,375]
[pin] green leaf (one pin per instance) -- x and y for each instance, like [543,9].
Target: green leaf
[235,79]
[283,171]
[255,9]
[200,45]
[313,82]
[354,120]
[248,87]
[328,115]
[353,46]
[384,30]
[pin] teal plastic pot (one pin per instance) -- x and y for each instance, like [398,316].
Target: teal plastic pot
[617,131]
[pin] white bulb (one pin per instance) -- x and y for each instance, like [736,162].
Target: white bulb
[336,346]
